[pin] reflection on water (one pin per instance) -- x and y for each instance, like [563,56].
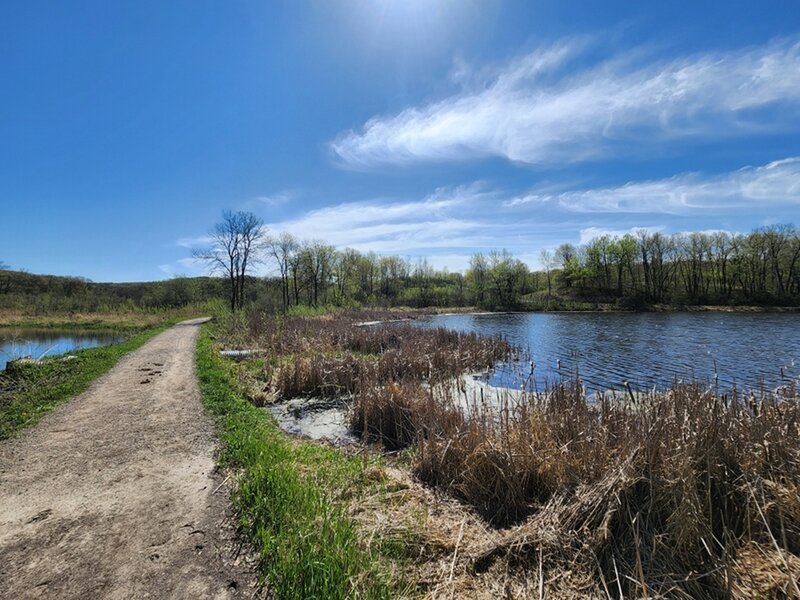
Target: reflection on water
[38,343]
[647,349]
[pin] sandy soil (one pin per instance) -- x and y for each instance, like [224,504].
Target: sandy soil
[115,494]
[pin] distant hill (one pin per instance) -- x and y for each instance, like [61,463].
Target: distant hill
[22,290]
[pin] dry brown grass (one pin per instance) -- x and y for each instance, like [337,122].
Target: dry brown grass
[681,493]
[654,498]
[696,507]
[93,320]
[310,356]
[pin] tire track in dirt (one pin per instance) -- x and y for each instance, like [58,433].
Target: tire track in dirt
[113,494]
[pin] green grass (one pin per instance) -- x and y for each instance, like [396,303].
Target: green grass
[290,497]
[38,388]
[309,311]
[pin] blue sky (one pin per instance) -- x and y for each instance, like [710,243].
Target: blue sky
[433,128]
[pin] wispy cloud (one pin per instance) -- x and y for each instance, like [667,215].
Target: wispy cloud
[774,183]
[271,200]
[184,266]
[447,227]
[451,224]
[436,221]
[194,242]
[536,111]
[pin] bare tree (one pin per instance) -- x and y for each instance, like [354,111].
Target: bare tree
[548,262]
[236,245]
[282,248]
[318,258]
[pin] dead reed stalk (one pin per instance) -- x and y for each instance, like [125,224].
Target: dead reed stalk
[681,493]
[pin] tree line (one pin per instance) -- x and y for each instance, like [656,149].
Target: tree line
[633,271]
[762,267]
[48,294]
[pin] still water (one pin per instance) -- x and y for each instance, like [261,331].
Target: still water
[39,343]
[647,349]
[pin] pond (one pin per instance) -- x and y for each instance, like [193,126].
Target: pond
[314,418]
[646,349]
[38,343]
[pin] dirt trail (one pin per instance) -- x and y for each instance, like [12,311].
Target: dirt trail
[113,494]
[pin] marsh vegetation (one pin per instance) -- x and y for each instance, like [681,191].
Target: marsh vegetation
[684,491]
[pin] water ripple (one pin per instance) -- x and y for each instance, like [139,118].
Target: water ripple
[647,349]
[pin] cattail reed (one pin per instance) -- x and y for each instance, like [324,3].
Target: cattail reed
[680,492]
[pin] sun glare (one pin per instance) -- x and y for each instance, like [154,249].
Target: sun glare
[417,26]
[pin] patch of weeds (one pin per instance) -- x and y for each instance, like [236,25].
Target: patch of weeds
[286,497]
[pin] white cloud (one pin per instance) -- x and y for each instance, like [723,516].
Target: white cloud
[194,242]
[447,227]
[437,221]
[452,262]
[184,266]
[451,224]
[533,111]
[194,265]
[272,200]
[776,182]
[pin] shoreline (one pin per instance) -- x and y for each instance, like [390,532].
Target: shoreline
[122,321]
[656,308]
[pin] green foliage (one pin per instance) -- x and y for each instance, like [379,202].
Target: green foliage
[542,301]
[651,268]
[497,281]
[309,311]
[36,389]
[48,295]
[309,547]
[641,269]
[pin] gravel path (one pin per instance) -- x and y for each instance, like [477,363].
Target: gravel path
[115,494]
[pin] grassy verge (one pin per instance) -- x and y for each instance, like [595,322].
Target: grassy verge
[38,388]
[291,497]
[120,320]
[83,322]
